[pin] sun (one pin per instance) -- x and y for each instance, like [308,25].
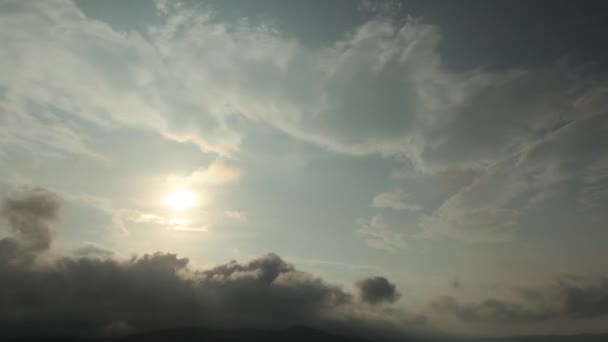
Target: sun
[181,199]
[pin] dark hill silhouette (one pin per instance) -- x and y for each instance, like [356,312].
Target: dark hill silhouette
[293,334]
[532,338]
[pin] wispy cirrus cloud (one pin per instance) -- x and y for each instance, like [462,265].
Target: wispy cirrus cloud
[396,199]
[377,234]
[381,90]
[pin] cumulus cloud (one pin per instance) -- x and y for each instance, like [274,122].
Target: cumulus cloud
[377,290]
[396,199]
[89,295]
[92,292]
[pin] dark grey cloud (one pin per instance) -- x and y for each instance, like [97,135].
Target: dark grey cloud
[566,299]
[268,289]
[584,301]
[489,310]
[155,291]
[376,290]
[265,269]
[30,214]
[94,292]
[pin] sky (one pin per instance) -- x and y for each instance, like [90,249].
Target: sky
[396,167]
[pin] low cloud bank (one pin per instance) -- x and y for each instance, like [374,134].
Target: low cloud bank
[93,293]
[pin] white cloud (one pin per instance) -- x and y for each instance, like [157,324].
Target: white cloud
[59,60]
[396,199]
[556,181]
[168,223]
[240,216]
[381,90]
[379,235]
[480,212]
[216,173]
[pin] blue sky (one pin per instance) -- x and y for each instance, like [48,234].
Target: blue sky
[457,150]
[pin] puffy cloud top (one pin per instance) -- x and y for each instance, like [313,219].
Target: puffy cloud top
[94,292]
[377,290]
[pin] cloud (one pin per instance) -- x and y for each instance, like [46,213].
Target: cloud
[168,223]
[134,89]
[31,213]
[532,135]
[561,173]
[92,250]
[585,300]
[378,235]
[93,292]
[566,299]
[240,216]
[89,295]
[492,310]
[216,173]
[377,290]
[380,90]
[396,199]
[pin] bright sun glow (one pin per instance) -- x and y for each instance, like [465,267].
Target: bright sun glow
[181,199]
